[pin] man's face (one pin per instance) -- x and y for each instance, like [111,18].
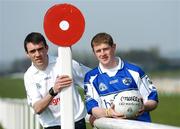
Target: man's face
[105,54]
[38,55]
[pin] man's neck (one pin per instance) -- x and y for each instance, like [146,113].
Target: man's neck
[44,66]
[112,64]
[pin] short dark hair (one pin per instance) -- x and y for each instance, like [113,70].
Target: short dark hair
[35,38]
[102,38]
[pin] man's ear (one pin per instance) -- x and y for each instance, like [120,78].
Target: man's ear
[47,47]
[114,46]
[93,52]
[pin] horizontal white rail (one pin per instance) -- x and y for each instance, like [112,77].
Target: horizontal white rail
[16,114]
[109,123]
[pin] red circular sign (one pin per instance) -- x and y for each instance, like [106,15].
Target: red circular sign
[64,24]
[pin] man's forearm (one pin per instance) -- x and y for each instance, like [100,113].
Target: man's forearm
[42,104]
[99,112]
[150,105]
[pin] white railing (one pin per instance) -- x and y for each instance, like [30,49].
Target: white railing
[109,123]
[15,114]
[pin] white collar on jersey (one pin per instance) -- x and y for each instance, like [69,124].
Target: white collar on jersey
[114,70]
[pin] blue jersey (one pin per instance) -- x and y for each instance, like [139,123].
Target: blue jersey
[101,85]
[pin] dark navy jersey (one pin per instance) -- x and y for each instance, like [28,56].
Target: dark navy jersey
[102,85]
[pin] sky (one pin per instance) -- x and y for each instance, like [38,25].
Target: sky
[133,24]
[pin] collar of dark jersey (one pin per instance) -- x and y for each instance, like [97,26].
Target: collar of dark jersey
[120,66]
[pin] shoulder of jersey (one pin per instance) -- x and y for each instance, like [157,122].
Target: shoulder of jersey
[92,72]
[133,67]
[28,72]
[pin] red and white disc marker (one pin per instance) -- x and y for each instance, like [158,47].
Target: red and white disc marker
[64,24]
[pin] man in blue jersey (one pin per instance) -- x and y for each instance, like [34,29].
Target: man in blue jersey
[112,76]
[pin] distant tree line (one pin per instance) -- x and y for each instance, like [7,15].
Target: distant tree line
[149,60]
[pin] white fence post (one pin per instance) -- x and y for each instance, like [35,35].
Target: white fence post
[16,114]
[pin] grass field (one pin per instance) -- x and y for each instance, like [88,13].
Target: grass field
[168,111]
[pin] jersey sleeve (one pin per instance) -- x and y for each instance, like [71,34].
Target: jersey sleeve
[92,98]
[79,70]
[32,93]
[148,89]
[145,85]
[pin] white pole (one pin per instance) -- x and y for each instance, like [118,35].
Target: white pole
[17,114]
[26,116]
[31,116]
[66,95]
[13,116]
[22,119]
[37,124]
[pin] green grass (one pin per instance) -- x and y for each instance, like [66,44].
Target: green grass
[12,88]
[168,111]
[1,127]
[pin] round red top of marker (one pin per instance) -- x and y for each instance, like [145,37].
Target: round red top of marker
[64,24]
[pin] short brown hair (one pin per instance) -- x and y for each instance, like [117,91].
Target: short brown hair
[102,38]
[34,37]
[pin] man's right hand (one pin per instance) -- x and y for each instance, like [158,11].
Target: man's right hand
[62,82]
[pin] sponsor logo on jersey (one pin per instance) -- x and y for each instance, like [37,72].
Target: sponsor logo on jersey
[113,81]
[55,101]
[127,81]
[107,100]
[102,87]
[38,86]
